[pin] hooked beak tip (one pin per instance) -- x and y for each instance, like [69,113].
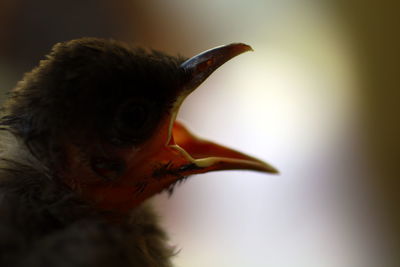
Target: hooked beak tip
[241,47]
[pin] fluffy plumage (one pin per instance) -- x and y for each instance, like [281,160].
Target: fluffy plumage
[78,86]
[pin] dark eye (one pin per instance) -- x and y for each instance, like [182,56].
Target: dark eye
[132,116]
[134,120]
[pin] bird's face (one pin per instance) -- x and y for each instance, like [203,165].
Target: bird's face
[116,118]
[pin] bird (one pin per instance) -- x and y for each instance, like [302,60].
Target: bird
[87,138]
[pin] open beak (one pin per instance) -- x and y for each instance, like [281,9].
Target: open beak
[204,155]
[182,153]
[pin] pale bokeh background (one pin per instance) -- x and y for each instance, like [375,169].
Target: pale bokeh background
[315,99]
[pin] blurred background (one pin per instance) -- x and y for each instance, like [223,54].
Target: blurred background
[318,99]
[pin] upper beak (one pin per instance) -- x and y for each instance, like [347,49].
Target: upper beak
[199,67]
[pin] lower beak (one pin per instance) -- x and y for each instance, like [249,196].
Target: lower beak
[208,156]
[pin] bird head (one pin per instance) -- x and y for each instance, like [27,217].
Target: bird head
[102,117]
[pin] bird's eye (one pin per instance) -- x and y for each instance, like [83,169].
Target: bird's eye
[132,116]
[134,120]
